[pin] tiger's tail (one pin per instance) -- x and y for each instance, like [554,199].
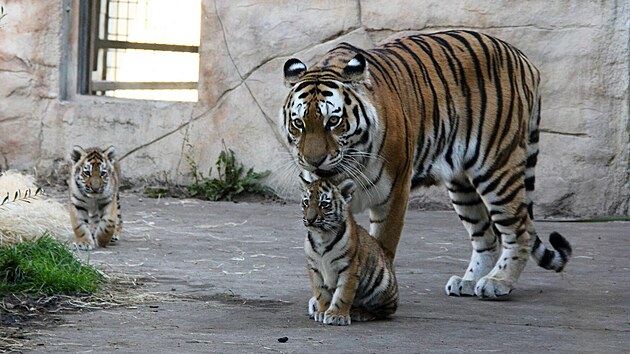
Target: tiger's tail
[556,258]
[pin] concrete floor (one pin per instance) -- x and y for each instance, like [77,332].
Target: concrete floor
[238,270]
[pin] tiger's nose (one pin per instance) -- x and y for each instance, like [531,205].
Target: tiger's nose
[309,218]
[316,161]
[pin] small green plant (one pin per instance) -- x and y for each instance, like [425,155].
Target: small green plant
[232,179]
[45,266]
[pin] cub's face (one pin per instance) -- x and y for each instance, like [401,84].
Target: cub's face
[324,203]
[322,207]
[93,169]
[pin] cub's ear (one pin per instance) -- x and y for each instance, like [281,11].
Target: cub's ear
[293,71]
[110,152]
[77,153]
[306,178]
[357,69]
[347,187]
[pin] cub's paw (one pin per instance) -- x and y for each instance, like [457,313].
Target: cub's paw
[337,319]
[457,286]
[83,245]
[313,307]
[319,316]
[488,287]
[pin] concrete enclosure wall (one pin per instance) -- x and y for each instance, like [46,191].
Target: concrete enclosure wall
[581,48]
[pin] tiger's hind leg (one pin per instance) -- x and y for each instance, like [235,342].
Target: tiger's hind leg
[474,215]
[505,198]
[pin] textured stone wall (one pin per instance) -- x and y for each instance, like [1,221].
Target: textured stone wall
[581,48]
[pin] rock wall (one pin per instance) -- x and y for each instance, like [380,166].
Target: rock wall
[581,48]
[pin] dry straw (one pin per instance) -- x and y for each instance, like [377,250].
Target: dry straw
[26,213]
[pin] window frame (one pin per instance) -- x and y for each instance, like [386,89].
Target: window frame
[90,44]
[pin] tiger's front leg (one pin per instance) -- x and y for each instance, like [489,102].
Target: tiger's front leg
[79,219]
[107,224]
[321,295]
[118,231]
[338,313]
[386,221]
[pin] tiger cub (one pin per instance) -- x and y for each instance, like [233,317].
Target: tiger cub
[94,200]
[349,272]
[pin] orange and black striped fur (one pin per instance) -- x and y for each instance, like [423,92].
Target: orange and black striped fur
[350,274]
[456,107]
[94,200]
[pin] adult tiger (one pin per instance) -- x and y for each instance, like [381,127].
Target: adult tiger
[457,107]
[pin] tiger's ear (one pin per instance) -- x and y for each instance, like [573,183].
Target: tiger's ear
[77,153]
[306,178]
[347,187]
[110,152]
[293,71]
[357,69]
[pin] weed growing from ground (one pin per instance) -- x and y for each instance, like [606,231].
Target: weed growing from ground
[233,179]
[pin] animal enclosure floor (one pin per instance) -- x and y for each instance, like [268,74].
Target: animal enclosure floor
[232,277]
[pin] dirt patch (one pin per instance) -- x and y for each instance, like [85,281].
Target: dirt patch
[21,317]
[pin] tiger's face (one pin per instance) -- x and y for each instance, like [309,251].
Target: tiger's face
[93,168]
[324,204]
[324,118]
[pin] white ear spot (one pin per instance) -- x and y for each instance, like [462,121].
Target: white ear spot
[296,67]
[354,62]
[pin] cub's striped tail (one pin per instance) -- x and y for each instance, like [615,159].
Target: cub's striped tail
[554,259]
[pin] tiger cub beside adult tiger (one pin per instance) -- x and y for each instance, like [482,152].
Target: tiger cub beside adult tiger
[456,107]
[94,199]
[351,277]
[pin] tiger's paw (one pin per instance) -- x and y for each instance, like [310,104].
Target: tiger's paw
[313,307]
[488,288]
[361,315]
[336,319]
[457,286]
[318,316]
[83,244]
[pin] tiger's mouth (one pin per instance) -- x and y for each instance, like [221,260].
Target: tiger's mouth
[325,173]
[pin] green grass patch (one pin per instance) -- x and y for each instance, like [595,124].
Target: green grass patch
[45,266]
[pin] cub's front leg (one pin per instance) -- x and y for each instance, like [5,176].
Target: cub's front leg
[338,313]
[84,239]
[321,295]
[106,225]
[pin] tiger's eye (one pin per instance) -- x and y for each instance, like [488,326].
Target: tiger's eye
[298,123]
[332,122]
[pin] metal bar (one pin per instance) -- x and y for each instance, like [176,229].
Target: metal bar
[83,84]
[120,85]
[103,74]
[105,43]
[66,49]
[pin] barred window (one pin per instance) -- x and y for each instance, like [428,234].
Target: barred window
[141,49]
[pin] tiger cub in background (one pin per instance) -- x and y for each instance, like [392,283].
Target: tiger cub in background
[94,200]
[349,272]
